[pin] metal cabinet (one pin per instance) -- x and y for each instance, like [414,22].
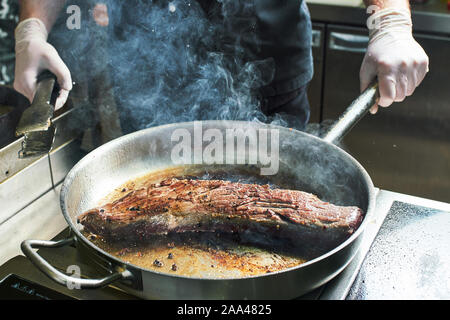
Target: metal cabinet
[406,147]
[315,86]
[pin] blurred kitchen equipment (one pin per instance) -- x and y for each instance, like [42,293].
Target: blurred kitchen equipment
[35,123]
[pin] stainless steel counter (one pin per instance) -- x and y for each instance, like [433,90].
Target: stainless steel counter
[431,17]
[409,258]
[405,253]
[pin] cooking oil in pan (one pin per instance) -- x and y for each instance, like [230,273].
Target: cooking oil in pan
[205,255]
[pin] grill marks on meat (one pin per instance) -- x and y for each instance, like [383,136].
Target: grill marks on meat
[257,213]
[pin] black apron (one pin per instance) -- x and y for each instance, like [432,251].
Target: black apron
[278,30]
[9,11]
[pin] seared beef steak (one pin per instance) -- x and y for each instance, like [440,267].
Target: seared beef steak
[256,213]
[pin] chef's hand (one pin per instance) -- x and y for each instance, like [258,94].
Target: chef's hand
[33,55]
[393,56]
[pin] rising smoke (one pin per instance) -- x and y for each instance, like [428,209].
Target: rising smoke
[173,61]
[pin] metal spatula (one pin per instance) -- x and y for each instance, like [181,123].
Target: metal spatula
[35,123]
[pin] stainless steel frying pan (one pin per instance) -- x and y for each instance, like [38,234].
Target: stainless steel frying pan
[306,163]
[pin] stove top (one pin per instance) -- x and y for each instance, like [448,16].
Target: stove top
[22,280]
[415,241]
[19,279]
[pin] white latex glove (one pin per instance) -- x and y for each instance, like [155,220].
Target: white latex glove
[393,56]
[33,55]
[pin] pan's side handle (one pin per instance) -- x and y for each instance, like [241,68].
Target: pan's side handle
[355,112]
[27,248]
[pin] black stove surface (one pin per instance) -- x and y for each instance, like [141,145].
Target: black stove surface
[14,287]
[23,281]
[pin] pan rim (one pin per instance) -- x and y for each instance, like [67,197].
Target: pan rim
[72,174]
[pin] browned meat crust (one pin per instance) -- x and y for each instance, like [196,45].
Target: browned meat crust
[255,212]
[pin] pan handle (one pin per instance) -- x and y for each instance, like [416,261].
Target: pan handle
[27,247]
[355,112]
[46,82]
